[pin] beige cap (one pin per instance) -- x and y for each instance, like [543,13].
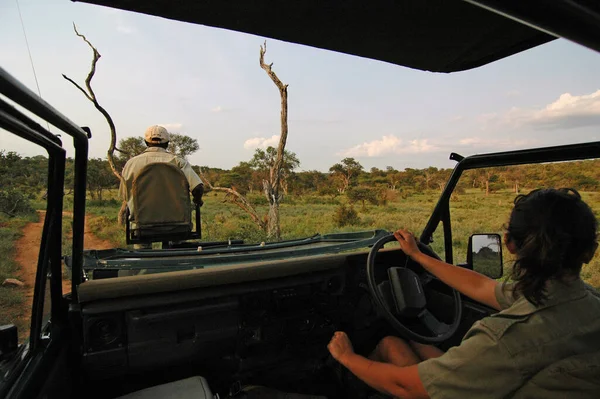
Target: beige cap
[156,134]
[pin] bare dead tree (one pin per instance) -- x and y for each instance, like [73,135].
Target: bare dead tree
[272,186]
[90,95]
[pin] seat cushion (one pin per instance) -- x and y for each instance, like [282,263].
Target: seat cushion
[189,388]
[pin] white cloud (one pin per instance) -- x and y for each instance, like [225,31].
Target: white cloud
[495,143]
[172,127]
[567,112]
[125,29]
[261,142]
[570,111]
[217,109]
[389,145]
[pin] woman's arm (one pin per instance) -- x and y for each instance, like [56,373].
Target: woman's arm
[399,382]
[474,285]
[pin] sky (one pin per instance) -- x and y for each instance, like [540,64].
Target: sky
[206,83]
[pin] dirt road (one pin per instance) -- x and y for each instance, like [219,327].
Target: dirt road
[27,256]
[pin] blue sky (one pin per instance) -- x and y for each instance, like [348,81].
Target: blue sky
[207,83]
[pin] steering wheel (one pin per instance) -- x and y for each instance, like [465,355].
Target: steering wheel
[403,294]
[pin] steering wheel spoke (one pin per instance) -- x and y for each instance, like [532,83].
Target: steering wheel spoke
[426,278]
[432,323]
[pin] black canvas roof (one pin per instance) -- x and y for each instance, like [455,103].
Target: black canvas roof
[432,35]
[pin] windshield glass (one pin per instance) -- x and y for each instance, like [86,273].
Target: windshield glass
[365,143]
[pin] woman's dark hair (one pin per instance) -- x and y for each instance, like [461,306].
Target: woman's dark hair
[554,233]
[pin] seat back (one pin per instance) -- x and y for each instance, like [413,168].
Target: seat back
[161,204]
[577,376]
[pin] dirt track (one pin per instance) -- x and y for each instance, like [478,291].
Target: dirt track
[27,256]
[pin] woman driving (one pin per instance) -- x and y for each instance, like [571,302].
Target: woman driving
[543,343]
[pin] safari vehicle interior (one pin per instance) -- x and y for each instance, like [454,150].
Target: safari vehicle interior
[265,319]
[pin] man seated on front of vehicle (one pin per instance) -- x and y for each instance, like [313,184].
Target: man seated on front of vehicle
[157,140]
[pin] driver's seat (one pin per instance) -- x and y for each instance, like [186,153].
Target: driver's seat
[161,206]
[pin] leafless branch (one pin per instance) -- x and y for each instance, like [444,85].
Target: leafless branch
[236,198]
[275,173]
[79,87]
[90,95]
[273,185]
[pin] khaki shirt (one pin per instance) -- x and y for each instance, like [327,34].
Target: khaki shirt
[151,155]
[551,351]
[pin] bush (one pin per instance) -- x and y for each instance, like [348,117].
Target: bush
[13,203]
[345,216]
[386,195]
[362,194]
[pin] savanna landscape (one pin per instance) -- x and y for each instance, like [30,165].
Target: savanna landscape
[345,198]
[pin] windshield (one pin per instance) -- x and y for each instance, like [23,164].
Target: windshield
[366,143]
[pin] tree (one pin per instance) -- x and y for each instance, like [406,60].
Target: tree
[99,178]
[182,145]
[13,202]
[362,194]
[271,186]
[131,147]
[264,160]
[429,174]
[346,170]
[90,95]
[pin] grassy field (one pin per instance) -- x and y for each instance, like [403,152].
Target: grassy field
[301,216]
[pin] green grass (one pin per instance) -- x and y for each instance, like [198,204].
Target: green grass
[471,212]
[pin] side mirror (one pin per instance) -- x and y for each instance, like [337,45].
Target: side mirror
[485,254]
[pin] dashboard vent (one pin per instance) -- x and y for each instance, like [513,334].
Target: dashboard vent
[103,332]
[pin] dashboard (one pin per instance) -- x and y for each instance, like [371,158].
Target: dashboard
[239,319]
[247,323]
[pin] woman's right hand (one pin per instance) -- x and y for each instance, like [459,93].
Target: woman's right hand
[407,241]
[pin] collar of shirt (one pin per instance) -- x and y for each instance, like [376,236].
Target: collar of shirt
[155,149]
[557,292]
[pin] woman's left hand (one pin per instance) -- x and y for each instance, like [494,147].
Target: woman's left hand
[340,346]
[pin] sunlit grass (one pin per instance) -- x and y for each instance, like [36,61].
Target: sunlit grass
[471,212]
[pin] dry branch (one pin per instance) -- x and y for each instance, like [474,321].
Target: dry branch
[273,185]
[238,199]
[275,172]
[90,95]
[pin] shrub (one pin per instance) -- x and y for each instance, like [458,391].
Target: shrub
[362,194]
[345,216]
[386,195]
[13,203]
